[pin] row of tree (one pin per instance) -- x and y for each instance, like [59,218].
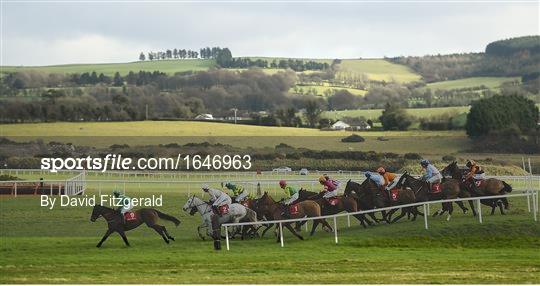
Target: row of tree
[203,53]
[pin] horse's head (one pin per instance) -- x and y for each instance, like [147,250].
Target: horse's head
[451,170]
[97,211]
[351,187]
[189,203]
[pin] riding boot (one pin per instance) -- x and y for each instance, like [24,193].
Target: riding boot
[388,193]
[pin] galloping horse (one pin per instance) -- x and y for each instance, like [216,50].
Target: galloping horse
[491,187]
[365,196]
[237,213]
[274,211]
[449,190]
[344,203]
[116,222]
[403,196]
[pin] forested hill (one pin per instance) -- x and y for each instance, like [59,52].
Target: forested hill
[512,57]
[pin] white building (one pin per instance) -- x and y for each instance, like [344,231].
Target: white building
[339,125]
[204,116]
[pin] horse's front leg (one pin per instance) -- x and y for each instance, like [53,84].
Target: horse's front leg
[199,231]
[107,233]
[123,235]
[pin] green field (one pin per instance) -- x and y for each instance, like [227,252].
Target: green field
[58,246]
[166,66]
[377,69]
[375,113]
[320,90]
[489,82]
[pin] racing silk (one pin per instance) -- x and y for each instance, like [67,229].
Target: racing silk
[236,190]
[216,195]
[329,185]
[123,200]
[431,171]
[473,170]
[388,178]
[377,178]
[289,191]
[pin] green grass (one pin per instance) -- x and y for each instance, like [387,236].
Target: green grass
[320,90]
[375,113]
[166,66]
[377,69]
[489,82]
[58,246]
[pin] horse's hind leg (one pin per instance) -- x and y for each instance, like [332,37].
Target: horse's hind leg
[325,224]
[450,207]
[314,226]
[375,219]
[402,214]
[362,219]
[123,235]
[462,206]
[471,204]
[167,233]
[291,229]
[506,204]
[500,204]
[160,230]
[109,231]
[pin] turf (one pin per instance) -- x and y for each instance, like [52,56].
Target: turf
[320,90]
[488,82]
[58,246]
[377,69]
[166,66]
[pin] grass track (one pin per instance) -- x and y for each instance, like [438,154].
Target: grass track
[58,246]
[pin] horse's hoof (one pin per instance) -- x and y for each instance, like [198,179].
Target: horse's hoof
[98,246]
[448,218]
[301,238]
[171,238]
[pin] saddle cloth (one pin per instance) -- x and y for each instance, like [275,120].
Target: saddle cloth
[394,194]
[293,209]
[436,188]
[479,183]
[129,216]
[223,210]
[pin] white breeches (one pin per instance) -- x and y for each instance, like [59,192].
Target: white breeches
[222,200]
[480,176]
[242,196]
[126,208]
[435,179]
[330,194]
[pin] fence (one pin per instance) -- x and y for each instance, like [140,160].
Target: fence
[532,199]
[71,186]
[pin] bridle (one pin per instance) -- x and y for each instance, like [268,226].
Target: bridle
[192,205]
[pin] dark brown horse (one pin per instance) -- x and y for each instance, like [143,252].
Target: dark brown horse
[344,203]
[275,211]
[491,187]
[116,223]
[449,190]
[403,196]
[365,196]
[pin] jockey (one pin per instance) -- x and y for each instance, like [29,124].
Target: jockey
[238,191]
[123,201]
[388,177]
[476,173]
[330,188]
[432,175]
[290,193]
[217,197]
[375,177]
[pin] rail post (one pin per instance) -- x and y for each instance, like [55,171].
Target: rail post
[479,210]
[227,237]
[535,205]
[529,201]
[15,189]
[348,221]
[335,229]
[425,216]
[281,234]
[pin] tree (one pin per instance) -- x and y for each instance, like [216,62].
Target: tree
[224,58]
[118,81]
[313,112]
[500,112]
[395,118]
[142,57]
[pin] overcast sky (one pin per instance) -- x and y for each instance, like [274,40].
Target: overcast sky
[60,32]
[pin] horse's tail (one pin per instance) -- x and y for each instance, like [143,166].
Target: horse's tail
[168,217]
[507,188]
[251,215]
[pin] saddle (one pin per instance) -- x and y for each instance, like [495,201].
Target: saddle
[479,183]
[130,216]
[436,188]
[394,194]
[293,209]
[333,201]
[221,210]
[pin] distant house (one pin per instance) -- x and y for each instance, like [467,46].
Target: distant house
[359,127]
[340,125]
[204,116]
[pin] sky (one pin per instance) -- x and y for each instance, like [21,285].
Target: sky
[60,32]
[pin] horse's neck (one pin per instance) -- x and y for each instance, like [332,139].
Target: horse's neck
[202,206]
[108,213]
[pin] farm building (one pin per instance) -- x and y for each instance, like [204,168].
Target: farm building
[340,125]
[204,116]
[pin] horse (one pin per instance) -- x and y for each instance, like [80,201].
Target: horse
[403,196]
[116,223]
[344,203]
[491,186]
[275,211]
[365,197]
[237,213]
[449,190]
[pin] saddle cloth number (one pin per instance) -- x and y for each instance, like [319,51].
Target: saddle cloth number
[394,193]
[436,188]
[129,216]
[224,209]
[293,209]
[478,183]
[245,204]
[333,201]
